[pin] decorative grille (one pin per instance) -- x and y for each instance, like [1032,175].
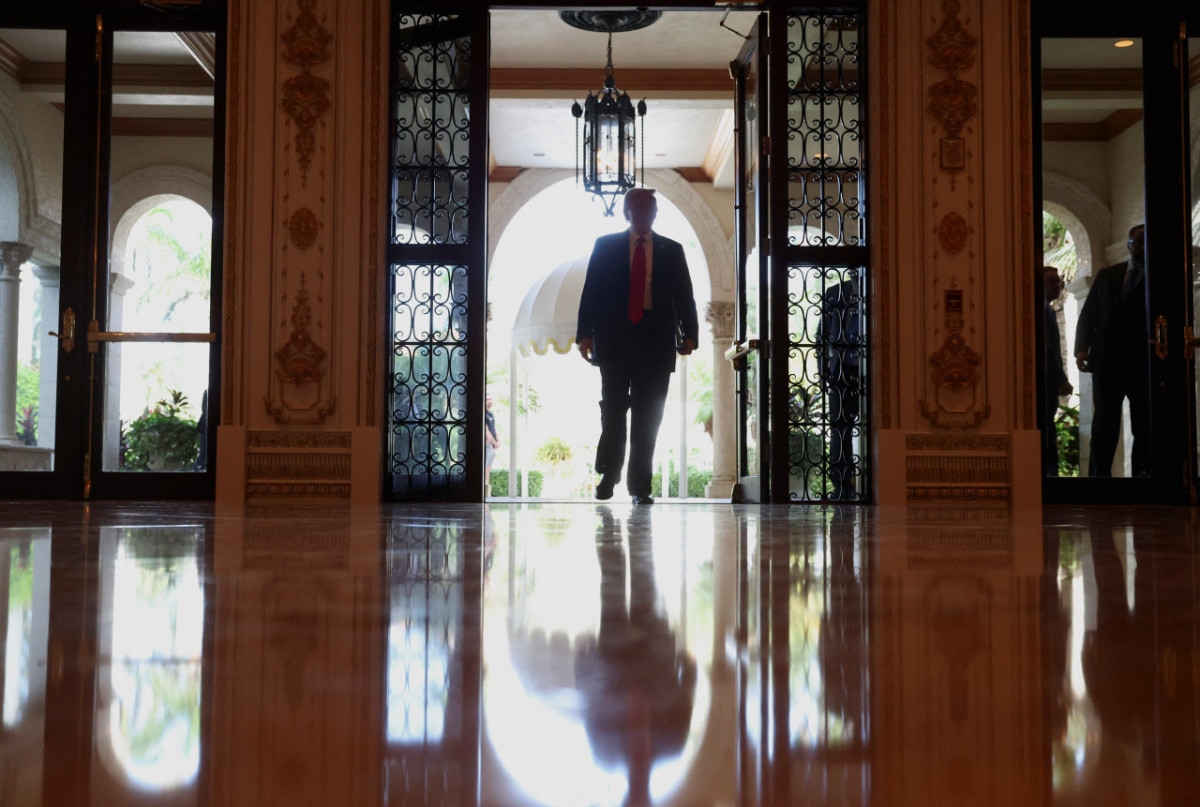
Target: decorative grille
[827,259]
[436,261]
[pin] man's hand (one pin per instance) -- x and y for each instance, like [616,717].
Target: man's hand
[688,347]
[1065,388]
[1083,361]
[585,350]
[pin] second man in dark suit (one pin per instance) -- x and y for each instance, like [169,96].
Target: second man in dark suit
[1111,341]
[635,313]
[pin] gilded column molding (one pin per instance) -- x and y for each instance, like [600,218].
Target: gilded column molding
[956,374]
[303,228]
[1025,69]
[953,232]
[952,100]
[300,373]
[371,324]
[305,97]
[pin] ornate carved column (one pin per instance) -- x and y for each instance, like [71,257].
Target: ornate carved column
[48,350]
[12,255]
[720,316]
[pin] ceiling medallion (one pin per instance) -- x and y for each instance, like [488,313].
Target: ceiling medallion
[609,21]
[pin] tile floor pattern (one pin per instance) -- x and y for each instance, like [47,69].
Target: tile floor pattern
[580,654]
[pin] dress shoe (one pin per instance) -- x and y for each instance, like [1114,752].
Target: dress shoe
[604,488]
[643,498]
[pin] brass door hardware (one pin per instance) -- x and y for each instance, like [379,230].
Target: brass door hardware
[1189,342]
[1160,337]
[738,352]
[95,336]
[67,337]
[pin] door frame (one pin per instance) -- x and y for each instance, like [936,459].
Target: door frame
[1166,194]
[77,471]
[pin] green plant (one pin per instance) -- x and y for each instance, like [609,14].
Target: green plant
[499,483]
[554,451]
[1066,428]
[806,443]
[697,481]
[162,439]
[27,425]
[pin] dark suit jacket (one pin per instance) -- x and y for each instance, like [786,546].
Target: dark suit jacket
[604,304]
[1112,330]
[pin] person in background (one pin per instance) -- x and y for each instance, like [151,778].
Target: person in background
[491,442]
[1112,343]
[1057,383]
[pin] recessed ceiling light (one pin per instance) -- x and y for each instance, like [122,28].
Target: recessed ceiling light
[1123,43]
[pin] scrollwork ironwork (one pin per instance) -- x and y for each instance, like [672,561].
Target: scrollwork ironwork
[430,128]
[827,393]
[824,131]
[428,387]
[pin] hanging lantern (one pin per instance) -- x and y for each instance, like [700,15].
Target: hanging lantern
[609,149]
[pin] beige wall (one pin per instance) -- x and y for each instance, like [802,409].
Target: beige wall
[953,395]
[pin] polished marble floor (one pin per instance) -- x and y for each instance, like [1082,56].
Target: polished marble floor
[700,655]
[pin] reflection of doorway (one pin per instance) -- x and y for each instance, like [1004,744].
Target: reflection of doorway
[1112,106]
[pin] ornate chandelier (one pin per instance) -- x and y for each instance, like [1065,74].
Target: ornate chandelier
[610,140]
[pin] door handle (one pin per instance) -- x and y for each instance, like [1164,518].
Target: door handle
[1189,342]
[67,337]
[738,352]
[1160,337]
[95,336]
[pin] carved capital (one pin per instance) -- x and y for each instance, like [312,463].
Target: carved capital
[720,316]
[13,254]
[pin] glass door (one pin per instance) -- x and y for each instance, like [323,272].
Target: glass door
[115,362]
[1115,400]
[747,352]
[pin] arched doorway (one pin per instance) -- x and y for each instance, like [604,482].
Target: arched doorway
[544,394]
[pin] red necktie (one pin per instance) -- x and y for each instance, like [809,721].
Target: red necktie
[637,282]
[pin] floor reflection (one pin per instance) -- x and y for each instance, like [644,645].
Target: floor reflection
[597,655]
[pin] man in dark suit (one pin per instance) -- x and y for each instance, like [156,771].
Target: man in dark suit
[635,313]
[1111,343]
[841,345]
[1057,383]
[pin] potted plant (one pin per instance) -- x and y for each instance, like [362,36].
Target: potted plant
[163,439]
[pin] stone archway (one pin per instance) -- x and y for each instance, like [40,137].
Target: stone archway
[1088,220]
[719,256]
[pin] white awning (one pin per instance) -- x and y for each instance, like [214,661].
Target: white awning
[547,317]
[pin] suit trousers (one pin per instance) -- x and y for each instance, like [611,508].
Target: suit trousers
[1110,388]
[633,395]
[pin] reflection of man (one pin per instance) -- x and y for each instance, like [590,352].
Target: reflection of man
[1111,343]
[638,688]
[1057,383]
[636,298]
[840,338]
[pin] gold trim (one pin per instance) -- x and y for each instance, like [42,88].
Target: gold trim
[952,100]
[375,216]
[305,97]
[953,232]
[303,228]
